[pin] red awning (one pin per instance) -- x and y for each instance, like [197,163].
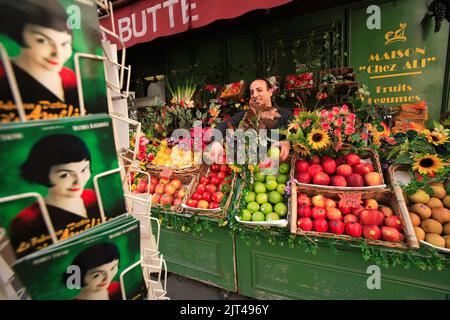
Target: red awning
[146,20]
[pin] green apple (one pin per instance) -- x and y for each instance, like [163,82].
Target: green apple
[271,185]
[272,216]
[260,187]
[282,178]
[253,207]
[246,215]
[258,216]
[275,197]
[250,197]
[284,168]
[262,198]
[261,177]
[266,208]
[271,177]
[281,209]
[274,153]
[281,188]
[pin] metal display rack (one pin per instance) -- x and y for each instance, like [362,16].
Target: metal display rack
[152,262]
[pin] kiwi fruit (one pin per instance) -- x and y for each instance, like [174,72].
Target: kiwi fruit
[435,239]
[419,197]
[438,192]
[435,203]
[415,219]
[431,226]
[422,210]
[446,202]
[440,214]
[447,241]
[420,234]
[447,228]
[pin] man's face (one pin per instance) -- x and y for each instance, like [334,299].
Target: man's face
[259,94]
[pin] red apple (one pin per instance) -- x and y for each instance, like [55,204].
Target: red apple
[373,179]
[325,158]
[391,234]
[152,188]
[355,180]
[357,211]
[204,180]
[164,181]
[166,199]
[315,160]
[394,222]
[372,232]
[361,169]
[192,203]
[155,198]
[154,180]
[224,168]
[329,166]
[215,167]
[303,177]
[314,170]
[177,202]
[201,188]
[305,224]
[203,204]
[371,216]
[213,205]
[386,211]
[330,204]
[303,199]
[339,161]
[215,181]
[322,179]
[320,225]
[345,210]
[344,170]
[336,227]
[352,159]
[371,204]
[211,188]
[217,196]
[206,196]
[370,166]
[176,183]
[159,189]
[338,181]
[301,166]
[221,175]
[350,218]
[318,201]
[353,229]
[334,214]
[319,213]
[197,196]
[181,193]
[169,189]
[304,211]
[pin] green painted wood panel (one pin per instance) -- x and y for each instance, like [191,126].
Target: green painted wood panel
[208,258]
[273,272]
[406,68]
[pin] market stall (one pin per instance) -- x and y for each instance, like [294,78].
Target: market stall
[360,209]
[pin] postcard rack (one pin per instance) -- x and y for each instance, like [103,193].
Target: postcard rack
[152,262]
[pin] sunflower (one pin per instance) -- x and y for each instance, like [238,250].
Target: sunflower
[427,164]
[293,126]
[435,137]
[318,139]
[301,149]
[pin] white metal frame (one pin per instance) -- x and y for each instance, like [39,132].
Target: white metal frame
[135,123]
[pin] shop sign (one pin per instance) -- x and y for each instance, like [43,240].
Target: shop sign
[144,21]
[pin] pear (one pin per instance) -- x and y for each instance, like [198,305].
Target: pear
[446,202]
[419,197]
[435,239]
[439,192]
[435,203]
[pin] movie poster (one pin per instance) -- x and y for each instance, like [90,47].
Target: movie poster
[88,267]
[42,39]
[58,160]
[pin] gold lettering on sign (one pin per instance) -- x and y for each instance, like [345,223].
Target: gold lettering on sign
[397,35]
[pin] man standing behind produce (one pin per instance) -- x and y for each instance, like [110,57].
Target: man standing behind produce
[262,108]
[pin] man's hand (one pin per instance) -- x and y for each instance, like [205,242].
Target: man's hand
[216,152]
[285,147]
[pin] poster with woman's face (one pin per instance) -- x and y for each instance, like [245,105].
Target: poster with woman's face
[88,269]
[59,161]
[42,42]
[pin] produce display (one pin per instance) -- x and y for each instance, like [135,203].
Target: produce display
[173,157]
[371,221]
[266,201]
[213,188]
[430,215]
[346,171]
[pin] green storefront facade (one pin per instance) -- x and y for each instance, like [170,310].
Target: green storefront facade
[402,62]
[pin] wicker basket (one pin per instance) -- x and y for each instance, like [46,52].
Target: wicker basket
[219,213]
[188,181]
[176,170]
[368,155]
[383,197]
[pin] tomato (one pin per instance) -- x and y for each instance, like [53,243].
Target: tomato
[204,180]
[221,176]
[196,196]
[224,168]
[215,181]
[217,196]
[206,196]
[192,203]
[211,188]
[215,167]
[213,205]
[201,188]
